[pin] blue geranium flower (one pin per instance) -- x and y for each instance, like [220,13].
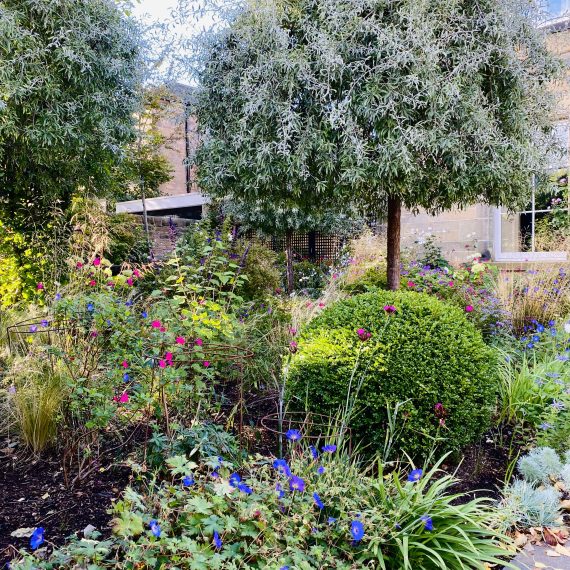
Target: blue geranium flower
[356,530]
[154,528]
[280,491]
[293,435]
[245,488]
[314,452]
[90,307]
[37,538]
[320,470]
[540,328]
[126,377]
[188,481]
[415,475]
[331,520]
[282,467]
[428,523]
[217,540]
[235,479]
[318,501]
[296,484]
[329,448]
[144,314]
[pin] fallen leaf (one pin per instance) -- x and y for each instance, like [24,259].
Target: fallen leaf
[45,496]
[23,532]
[553,554]
[562,550]
[550,537]
[520,539]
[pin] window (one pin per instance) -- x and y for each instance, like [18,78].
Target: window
[558,8]
[530,235]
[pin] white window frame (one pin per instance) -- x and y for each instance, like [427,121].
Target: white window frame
[520,256]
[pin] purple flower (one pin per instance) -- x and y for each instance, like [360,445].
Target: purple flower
[329,448]
[296,484]
[37,538]
[428,523]
[280,491]
[415,475]
[557,405]
[314,452]
[217,540]
[320,470]
[154,528]
[545,426]
[293,435]
[318,501]
[235,480]
[356,530]
[33,328]
[188,481]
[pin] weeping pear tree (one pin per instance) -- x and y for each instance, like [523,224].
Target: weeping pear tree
[266,147]
[69,88]
[385,104]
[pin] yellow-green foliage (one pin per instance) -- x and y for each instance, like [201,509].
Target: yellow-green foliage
[20,268]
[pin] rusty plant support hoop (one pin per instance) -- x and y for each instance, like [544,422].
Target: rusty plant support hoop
[237,355]
[312,427]
[52,326]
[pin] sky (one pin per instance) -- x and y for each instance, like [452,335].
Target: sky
[161,11]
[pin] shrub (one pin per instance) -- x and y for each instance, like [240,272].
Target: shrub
[524,506]
[339,519]
[260,266]
[425,353]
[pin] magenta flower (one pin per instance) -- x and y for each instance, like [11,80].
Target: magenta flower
[390,308]
[136,273]
[92,283]
[79,265]
[122,399]
[198,342]
[469,309]
[180,340]
[40,286]
[130,281]
[125,364]
[97,262]
[162,329]
[162,363]
[155,324]
[363,334]
[206,363]
[411,284]
[168,357]
[293,346]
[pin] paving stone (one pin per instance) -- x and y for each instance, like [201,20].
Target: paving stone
[528,558]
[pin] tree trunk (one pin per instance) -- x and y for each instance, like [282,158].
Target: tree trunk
[393,253]
[289,257]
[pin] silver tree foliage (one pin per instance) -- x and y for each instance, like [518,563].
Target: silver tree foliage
[323,102]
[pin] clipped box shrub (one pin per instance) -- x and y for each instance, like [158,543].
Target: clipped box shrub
[426,353]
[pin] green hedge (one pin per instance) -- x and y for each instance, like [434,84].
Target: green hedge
[426,352]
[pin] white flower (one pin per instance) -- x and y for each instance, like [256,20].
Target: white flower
[567,328]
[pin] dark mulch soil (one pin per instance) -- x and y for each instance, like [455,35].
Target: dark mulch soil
[33,494]
[482,467]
